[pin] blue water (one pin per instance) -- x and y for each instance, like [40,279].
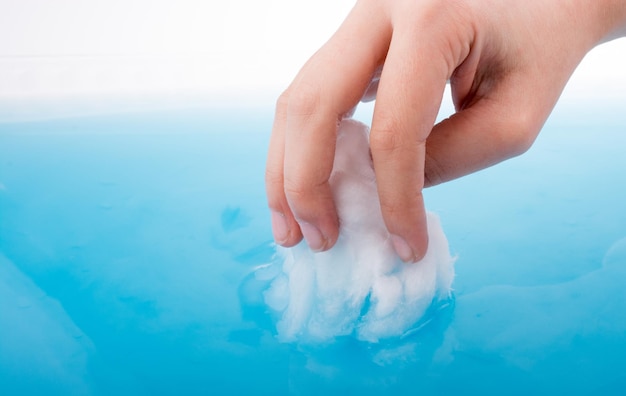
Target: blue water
[127,244]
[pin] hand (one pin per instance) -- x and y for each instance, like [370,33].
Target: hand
[507,63]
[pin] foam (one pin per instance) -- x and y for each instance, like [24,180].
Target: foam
[359,287]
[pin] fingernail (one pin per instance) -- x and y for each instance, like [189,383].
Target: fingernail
[403,249]
[313,237]
[280,228]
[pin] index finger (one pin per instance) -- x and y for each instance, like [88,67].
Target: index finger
[327,87]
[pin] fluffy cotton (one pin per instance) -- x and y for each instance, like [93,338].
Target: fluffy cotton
[359,287]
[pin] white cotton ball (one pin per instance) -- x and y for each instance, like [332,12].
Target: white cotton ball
[387,295]
[277,296]
[360,286]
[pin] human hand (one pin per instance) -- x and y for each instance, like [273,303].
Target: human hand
[507,63]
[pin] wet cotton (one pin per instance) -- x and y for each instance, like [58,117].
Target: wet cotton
[359,287]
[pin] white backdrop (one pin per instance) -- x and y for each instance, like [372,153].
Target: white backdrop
[232,51]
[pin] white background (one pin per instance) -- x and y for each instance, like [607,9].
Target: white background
[240,51]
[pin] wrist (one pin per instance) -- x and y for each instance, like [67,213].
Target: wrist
[610,19]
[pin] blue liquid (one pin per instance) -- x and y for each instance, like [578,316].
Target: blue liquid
[127,245]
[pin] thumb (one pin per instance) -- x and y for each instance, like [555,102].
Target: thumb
[497,127]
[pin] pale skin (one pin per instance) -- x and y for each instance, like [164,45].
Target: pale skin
[507,62]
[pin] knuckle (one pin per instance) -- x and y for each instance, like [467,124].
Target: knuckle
[388,209]
[304,190]
[282,103]
[403,208]
[273,176]
[303,101]
[520,135]
[385,138]
[297,189]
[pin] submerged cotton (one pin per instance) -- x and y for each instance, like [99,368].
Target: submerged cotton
[359,287]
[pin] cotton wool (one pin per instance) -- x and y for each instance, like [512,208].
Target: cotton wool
[360,287]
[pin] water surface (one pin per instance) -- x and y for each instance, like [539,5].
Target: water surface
[127,244]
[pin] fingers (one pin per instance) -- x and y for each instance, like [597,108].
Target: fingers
[408,98]
[301,151]
[499,126]
[284,226]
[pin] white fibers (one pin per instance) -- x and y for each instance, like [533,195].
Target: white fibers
[360,286]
